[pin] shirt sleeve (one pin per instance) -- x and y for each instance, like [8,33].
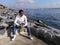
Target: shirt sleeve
[16,21]
[25,21]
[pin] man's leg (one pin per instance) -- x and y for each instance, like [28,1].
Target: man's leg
[14,31]
[29,31]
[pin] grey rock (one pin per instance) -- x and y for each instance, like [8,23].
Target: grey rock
[49,35]
[7,17]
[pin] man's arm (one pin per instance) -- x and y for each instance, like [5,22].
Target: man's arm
[25,21]
[16,21]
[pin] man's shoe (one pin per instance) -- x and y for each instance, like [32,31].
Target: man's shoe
[30,37]
[14,37]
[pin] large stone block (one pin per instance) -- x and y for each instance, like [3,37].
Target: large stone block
[48,35]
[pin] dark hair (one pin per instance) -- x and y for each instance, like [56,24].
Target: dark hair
[21,11]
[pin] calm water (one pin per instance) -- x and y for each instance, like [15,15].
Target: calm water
[49,16]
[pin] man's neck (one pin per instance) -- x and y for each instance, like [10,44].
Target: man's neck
[21,16]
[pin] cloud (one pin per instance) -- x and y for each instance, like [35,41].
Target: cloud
[26,1]
[23,4]
[51,5]
[32,4]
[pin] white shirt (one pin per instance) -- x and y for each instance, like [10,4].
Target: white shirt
[19,20]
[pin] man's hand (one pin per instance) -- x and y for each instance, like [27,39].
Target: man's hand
[22,26]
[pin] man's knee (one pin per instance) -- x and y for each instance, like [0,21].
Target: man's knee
[27,26]
[14,25]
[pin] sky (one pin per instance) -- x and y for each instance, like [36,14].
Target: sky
[31,3]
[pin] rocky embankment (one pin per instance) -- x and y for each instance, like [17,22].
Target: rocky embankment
[7,17]
[38,28]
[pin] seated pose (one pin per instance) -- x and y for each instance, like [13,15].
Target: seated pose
[21,19]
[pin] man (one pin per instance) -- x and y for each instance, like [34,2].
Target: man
[21,21]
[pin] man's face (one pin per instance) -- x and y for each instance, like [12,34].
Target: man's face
[21,14]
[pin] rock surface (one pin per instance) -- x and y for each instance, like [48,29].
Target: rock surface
[2,6]
[21,40]
[7,16]
[48,34]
